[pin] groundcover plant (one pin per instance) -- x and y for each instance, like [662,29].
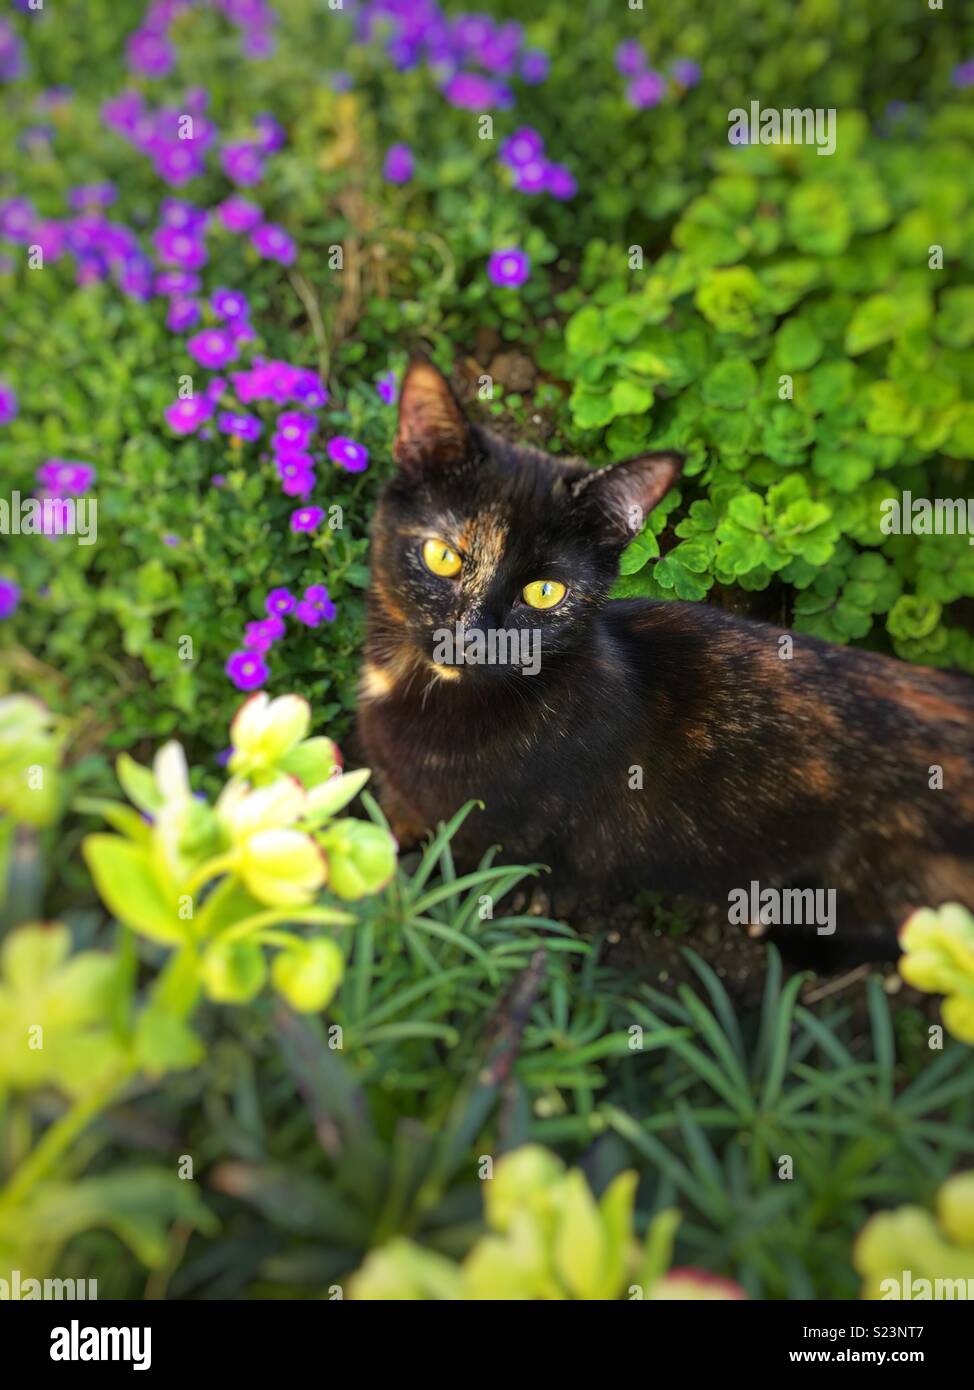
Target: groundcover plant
[265,1034]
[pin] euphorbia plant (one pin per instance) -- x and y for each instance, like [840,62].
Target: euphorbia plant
[223,883]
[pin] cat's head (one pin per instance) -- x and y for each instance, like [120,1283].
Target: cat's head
[476,531]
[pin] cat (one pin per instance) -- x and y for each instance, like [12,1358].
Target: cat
[654,744]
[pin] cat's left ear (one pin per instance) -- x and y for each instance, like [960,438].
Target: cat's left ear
[432,428]
[624,494]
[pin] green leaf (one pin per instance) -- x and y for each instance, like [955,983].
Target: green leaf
[125,879]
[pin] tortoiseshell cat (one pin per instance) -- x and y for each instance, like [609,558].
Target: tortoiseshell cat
[660,744]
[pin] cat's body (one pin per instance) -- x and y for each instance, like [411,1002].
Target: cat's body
[661,745]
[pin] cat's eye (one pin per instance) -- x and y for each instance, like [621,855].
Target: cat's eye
[441,559]
[543,593]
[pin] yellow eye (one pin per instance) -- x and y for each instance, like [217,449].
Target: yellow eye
[441,559]
[543,593]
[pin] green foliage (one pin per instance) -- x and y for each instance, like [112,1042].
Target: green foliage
[811,364]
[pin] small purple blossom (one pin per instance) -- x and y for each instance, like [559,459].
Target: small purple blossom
[66,476]
[399,164]
[279,602]
[307,518]
[182,315]
[309,390]
[178,163]
[214,347]
[9,597]
[242,426]
[271,135]
[294,429]
[273,243]
[317,598]
[471,91]
[92,195]
[386,387]
[522,147]
[242,164]
[229,304]
[348,454]
[177,247]
[177,282]
[17,217]
[686,72]
[183,216]
[561,182]
[237,215]
[531,177]
[963,74]
[247,670]
[534,67]
[148,54]
[8,403]
[646,90]
[260,637]
[185,416]
[630,58]
[509,268]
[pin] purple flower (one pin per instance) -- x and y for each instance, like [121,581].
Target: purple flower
[630,58]
[279,602]
[92,195]
[17,218]
[8,403]
[531,177]
[212,348]
[260,637]
[242,164]
[178,163]
[177,282]
[135,277]
[534,66]
[216,388]
[386,387]
[297,475]
[294,429]
[307,518]
[257,43]
[508,268]
[471,91]
[963,74]
[9,597]
[247,670]
[243,426]
[271,135]
[348,454]
[149,54]
[273,243]
[316,597]
[237,215]
[182,314]
[171,539]
[218,480]
[177,247]
[61,476]
[309,390]
[561,182]
[522,147]
[686,72]
[229,304]
[122,112]
[307,613]
[185,416]
[646,90]
[398,166]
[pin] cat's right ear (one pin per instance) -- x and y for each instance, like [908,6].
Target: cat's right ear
[623,495]
[432,428]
